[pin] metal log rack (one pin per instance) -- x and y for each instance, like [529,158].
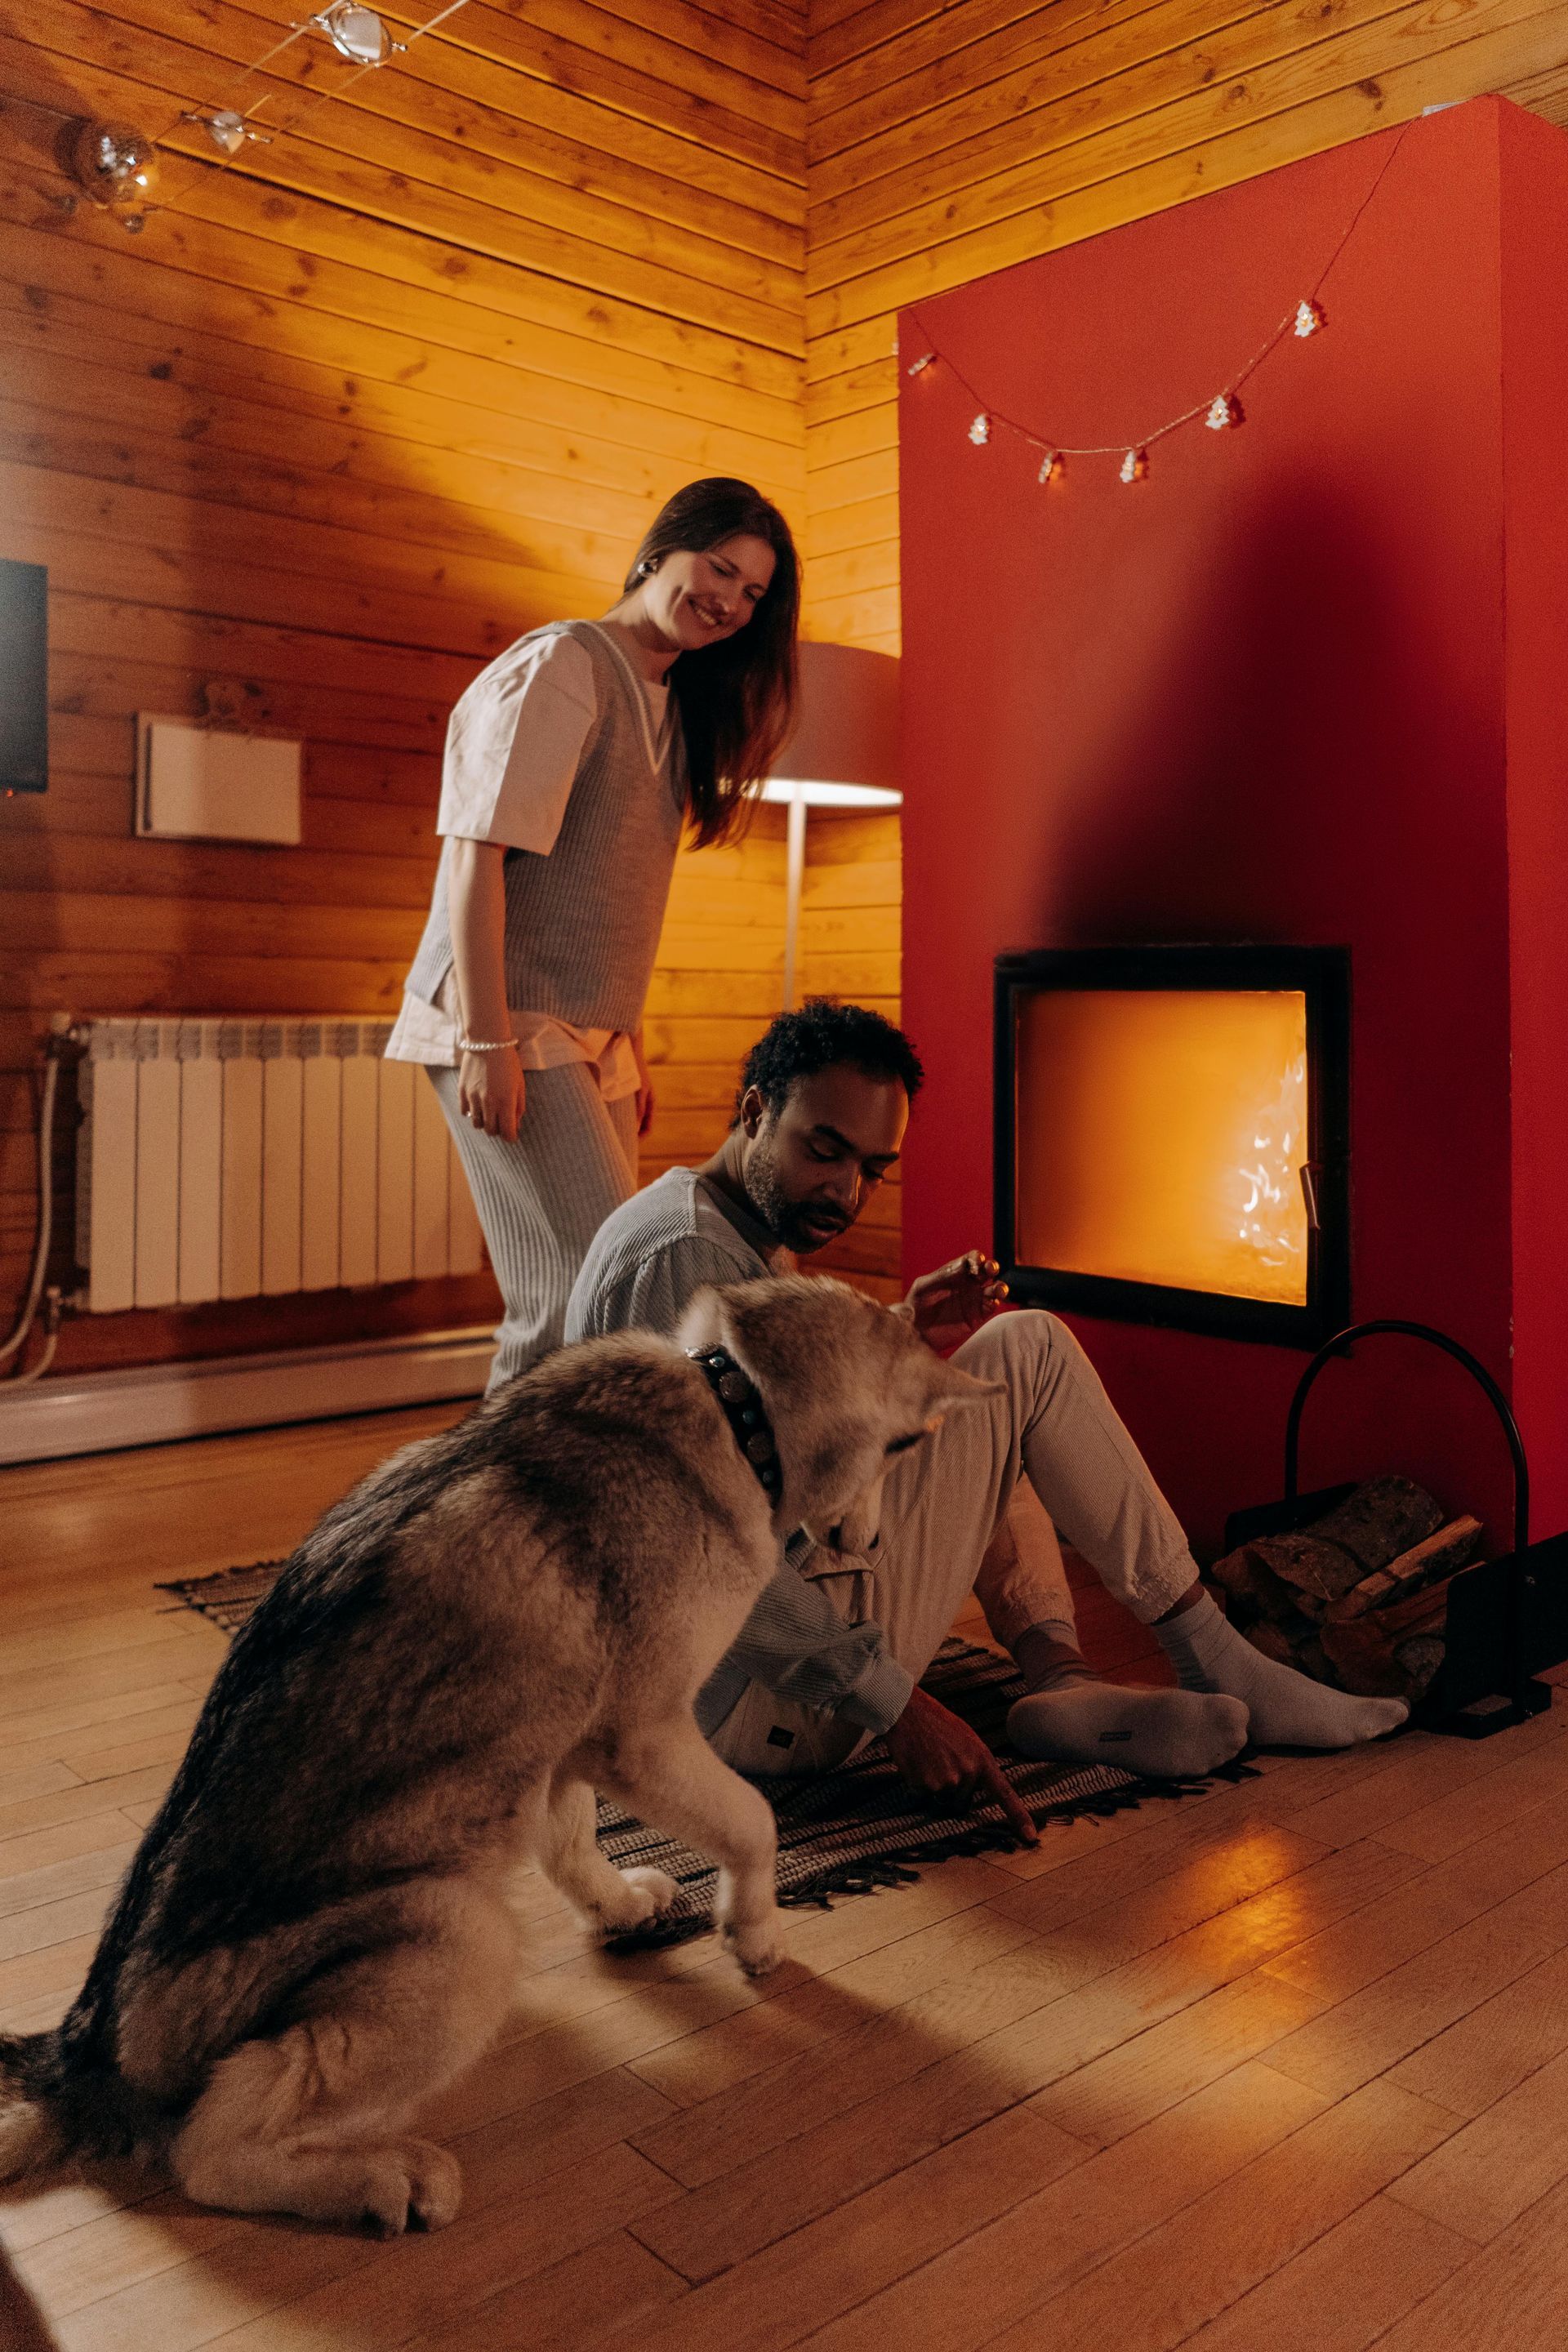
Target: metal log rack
[1507,1619]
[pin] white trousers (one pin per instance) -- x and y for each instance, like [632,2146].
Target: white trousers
[974,1510]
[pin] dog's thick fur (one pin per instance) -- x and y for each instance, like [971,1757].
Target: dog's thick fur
[313,1938]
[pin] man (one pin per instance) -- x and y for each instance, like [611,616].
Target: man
[831,1655]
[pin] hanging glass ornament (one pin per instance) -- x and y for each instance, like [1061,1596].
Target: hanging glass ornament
[1227,410]
[1309,316]
[1135,465]
[228,131]
[357,34]
[1053,466]
[980,431]
[114,164]
[917,367]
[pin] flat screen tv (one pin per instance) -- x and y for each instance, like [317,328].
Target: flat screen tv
[24,678]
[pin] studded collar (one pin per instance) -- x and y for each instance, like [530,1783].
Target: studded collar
[742,1408]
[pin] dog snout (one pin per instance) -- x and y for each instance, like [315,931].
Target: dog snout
[857,1535]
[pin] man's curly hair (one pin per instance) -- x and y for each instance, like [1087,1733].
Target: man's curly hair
[819,1033]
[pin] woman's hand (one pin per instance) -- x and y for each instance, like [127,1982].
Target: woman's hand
[947,1305]
[491,1093]
[644,1086]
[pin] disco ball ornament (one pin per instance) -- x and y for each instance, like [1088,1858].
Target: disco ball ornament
[114,164]
[357,34]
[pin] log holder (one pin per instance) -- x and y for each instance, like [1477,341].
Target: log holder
[1506,1620]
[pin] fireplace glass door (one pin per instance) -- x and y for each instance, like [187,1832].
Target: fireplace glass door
[1170,1141]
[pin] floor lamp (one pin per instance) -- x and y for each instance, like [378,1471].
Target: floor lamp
[843,755]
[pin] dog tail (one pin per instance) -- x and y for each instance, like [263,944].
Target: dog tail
[33,2131]
[59,2101]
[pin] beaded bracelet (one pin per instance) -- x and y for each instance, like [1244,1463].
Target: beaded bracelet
[487,1044]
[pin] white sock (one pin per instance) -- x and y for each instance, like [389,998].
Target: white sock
[1287,1710]
[1168,1735]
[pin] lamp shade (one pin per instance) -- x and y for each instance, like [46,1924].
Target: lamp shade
[844,750]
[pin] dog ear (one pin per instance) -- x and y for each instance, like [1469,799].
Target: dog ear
[702,1323]
[949,1384]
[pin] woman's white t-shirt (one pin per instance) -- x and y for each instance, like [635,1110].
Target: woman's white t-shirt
[513,745]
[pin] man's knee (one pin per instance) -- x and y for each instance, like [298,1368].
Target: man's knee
[1026,1338]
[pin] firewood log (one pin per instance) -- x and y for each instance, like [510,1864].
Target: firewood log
[1419,1659]
[1383,1519]
[1313,1570]
[1451,1547]
[1362,1657]
[1251,1588]
[1364,1650]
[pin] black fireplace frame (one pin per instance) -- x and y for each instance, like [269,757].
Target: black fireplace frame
[1322,975]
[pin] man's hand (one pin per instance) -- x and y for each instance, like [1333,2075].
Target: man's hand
[950,1766]
[955,1300]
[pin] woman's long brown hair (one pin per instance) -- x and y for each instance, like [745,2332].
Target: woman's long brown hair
[736,699]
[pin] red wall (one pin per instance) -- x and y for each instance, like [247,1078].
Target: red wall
[1264,695]
[1535,416]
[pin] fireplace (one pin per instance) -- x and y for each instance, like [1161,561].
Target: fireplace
[1171,1136]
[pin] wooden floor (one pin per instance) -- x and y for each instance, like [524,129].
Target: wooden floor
[1282,2066]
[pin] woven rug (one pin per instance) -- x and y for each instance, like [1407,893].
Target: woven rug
[845,1832]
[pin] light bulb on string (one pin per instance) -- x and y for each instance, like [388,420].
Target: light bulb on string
[1053,466]
[917,367]
[1225,411]
[357,34]
[1135,465]
[980,431]
[1309,316]
[228,131]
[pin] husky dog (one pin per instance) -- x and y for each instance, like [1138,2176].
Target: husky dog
[313,1938]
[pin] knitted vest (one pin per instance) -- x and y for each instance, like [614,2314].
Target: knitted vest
[582,923]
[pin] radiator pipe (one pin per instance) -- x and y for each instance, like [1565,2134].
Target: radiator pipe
[58,1037]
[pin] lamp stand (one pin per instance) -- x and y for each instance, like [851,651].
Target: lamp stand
[794,876]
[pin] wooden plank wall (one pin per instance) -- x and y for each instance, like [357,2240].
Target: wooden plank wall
[352,412]
[951,138]
[340,422]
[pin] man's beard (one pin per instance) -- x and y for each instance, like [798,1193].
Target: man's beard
[788,1218]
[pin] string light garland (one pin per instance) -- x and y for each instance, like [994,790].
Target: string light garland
[114,163]
[1221,411]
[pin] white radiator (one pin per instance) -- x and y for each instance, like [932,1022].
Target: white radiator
[226,1158]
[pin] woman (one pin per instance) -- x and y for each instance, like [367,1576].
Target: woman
[573,764]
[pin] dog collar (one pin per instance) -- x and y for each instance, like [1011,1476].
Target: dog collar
[743,1406]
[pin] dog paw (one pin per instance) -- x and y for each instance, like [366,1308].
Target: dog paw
[642,1895]
[757,1947]
[658,1884]
[417,2186]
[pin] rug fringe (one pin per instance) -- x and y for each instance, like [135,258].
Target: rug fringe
[903,1867]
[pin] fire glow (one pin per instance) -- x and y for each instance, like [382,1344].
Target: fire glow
[1160,1135]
